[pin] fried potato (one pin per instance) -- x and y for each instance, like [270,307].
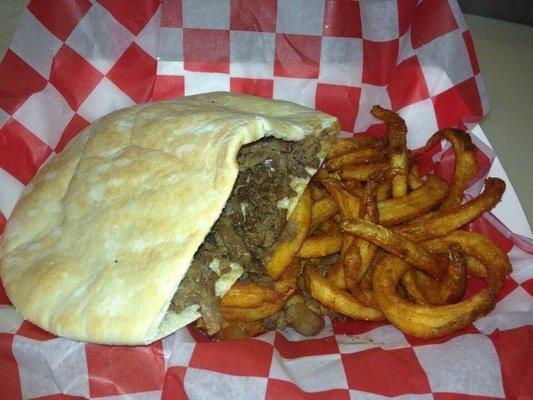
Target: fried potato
[336,275]
[451,289]
[413,204]
[426,321]
[295,233]
[391,211]
[346,202]
[362,172]
[249,294]
[356,157]
[396,244]
[465,164]
[347,145]
[350,258]
[322,210]
[337,299]
[321,246]
[251,303]
[480,249]
[446,222]
[399,155]
[252,314]
[415,181]
[369,211]
[328,227]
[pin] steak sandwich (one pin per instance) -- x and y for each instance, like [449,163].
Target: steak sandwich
[153,212]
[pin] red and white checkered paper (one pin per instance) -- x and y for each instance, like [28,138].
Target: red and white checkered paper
[72,61]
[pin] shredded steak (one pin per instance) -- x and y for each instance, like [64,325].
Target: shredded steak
[251,223]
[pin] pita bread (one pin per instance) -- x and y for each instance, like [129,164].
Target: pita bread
[101,238]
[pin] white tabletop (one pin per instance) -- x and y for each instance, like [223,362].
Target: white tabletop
[505,54]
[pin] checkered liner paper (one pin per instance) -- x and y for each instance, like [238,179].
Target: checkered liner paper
[72,61]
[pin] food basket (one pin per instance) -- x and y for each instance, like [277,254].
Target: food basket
[71,62]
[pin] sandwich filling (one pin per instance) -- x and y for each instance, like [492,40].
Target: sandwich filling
[252,222]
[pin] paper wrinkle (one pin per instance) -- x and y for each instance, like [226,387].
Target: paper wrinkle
[148,39]
[36,375]
[300,17]
[50,102]
[91,36]
[68,364]
[472,361]
[153,395]
[386,337]
[34,44]
[514,310]
[358,395]
[303,371]
[521,265]
[205,384]
[10,320]
[10,193]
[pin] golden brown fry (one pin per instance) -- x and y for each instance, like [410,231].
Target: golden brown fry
[361,156]
[353,186]
[235,308]
[336,275]
[252,314]
[465,164]
[451,289]
[383,193]
[328,227]
[399,156]
[427,321]
[317,193]
[399,165]
[323,209]
[337,299]
[398,245]
[284,253]
[250,295]
[415,181]
[351,260]
[350,257]
[447,222]
[321,246]
[384,190]
[391,211]
[362,172]
[322,173]
[347,145]
[480,247]
[413,204]
[368,211]
[365,292]
[337,272]
[347,203]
